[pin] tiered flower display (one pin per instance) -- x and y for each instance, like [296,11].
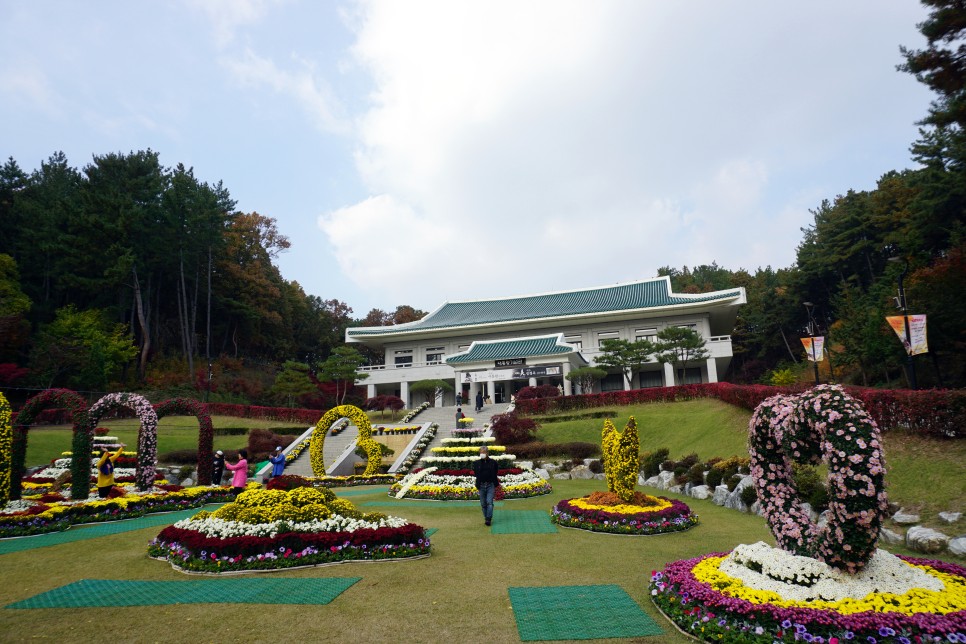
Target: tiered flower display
[621,510]
[275,529]
[447,474]
[825,584]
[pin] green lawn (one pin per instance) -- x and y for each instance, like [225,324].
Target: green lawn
[459,594]
[708,427]
[174,433]
[924,474]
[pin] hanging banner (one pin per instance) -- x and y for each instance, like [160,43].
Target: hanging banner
[819,345]
[917,329]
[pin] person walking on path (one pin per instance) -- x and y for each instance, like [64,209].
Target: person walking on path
[486,470]
[459,415]
[240,478]
[459,399]
[278,462]
[218,468]
[105,471]
[479,401]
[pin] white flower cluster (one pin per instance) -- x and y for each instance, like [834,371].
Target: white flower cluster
[412,479]
[222,529]
[503,460]
[420,447]
[415,412]
[431,480]
[13,507]
[796,578]
[454,442]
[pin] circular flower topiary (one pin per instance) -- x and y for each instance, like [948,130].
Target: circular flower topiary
[822,424]
[361,420]
[147,434]
[641,515]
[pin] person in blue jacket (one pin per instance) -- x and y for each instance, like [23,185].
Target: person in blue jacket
[278,462]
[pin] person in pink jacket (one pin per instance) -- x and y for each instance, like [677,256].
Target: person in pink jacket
[240,478]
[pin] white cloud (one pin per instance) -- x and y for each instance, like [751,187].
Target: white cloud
[574,144]
[227,16]
[28,85]
[309,91]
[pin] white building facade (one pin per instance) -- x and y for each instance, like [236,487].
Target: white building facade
[496,347]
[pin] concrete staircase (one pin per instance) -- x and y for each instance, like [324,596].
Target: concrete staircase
[445,417]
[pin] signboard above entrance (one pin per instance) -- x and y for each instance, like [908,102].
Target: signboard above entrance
[535,372]
[511,362]
[492,375]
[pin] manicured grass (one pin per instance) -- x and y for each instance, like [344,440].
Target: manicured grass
[459,594]
[925,474]
[46,442]
[708,427]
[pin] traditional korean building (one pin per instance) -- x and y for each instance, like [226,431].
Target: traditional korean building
[502,345]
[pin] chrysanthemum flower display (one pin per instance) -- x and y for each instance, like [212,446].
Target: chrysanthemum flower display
[621,510]
[365,441]
[447,474]
[147,452]
[276,529]
[821,585]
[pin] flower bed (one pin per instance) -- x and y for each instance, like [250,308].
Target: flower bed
[417,451]
[708,603]
[642,515]
[52,513]
[292,481]
[459,485]
[275,529]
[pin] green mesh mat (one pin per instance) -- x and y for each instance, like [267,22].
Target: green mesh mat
[522,522]
[431,531]
[80,533]
[356,492]
[109,592]
[427,504]
[578,613]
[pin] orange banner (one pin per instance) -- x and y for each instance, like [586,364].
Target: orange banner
[917,329]
[818,343]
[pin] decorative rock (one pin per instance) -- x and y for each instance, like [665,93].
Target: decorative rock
[666,479]
[525,465]
[720,495]
[700,492]
[581,472]
[600,477]
[891,538]
[926,540]
[950,517]
[542,473]
[562,476]
[822,520]
[187,482]
[957,546]
[905,518]
[590,461]
[676,488]
[654,481]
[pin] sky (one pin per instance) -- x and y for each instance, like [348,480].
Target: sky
[418,152]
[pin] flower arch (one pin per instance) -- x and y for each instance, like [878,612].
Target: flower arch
[147,434]
[361,420]
[189,407]
[6,449]
[52,399]
[822,424]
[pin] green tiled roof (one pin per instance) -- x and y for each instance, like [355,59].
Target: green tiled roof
[623,297]
[518,348]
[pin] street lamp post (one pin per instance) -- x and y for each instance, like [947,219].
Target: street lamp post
[910,365]
[811,334]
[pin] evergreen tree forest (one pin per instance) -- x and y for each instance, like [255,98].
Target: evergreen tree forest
[125,274]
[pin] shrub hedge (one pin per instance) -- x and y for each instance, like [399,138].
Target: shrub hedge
[935,412]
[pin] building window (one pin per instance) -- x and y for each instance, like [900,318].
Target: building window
[575,340]
[607,335]
[645,334]
[692,376]
[650,379]
[612,382]
[434,355]
[404,358]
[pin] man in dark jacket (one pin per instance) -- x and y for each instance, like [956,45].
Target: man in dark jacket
[218,468]
[486,470]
